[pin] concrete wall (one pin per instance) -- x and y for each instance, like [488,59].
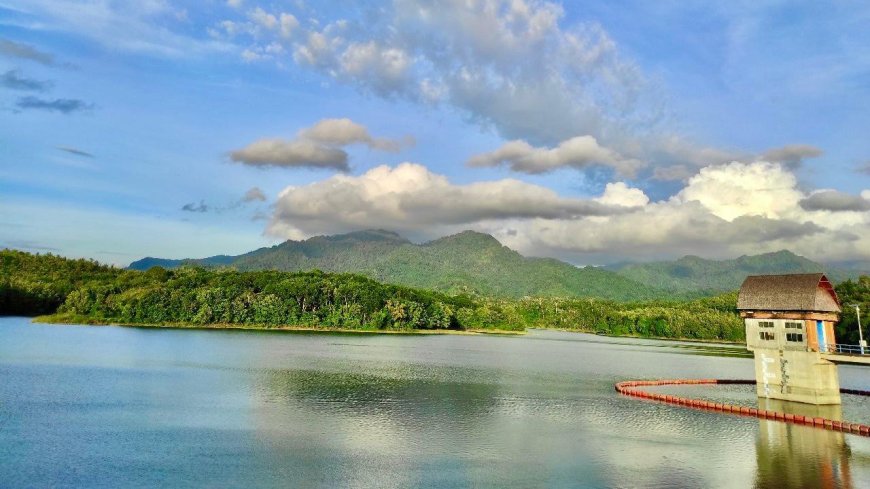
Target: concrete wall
[809,342]
[793,375]
[755,331]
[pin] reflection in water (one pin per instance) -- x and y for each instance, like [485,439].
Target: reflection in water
[121,407]
[800,456]
[313,419]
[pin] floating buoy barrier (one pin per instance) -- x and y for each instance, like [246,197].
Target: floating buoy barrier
[630,388]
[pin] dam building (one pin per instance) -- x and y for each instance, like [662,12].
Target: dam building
[789,323]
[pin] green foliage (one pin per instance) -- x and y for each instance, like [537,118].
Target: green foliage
[852,293]
[700,319]
[38,284]
[692,274]
[468,262]
[93,293]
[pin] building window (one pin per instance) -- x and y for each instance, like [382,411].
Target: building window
[765,332]
[794,337]
[794,325]
[766,335]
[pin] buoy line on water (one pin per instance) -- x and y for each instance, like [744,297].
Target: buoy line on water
[629,388]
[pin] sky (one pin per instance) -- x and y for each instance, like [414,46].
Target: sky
[593,132]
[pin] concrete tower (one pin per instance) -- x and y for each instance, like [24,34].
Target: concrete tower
[790,327]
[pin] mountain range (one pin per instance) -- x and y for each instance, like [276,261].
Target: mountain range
[693,273]
[477,263]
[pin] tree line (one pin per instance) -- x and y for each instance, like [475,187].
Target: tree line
[86,291]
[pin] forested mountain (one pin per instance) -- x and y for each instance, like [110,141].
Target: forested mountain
[692,273]
[85,292]
[468,262]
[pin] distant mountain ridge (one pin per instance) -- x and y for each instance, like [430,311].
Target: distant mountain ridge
[468,262]
[477,263]
[693,273]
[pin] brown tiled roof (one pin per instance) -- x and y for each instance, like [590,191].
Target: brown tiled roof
[795,292]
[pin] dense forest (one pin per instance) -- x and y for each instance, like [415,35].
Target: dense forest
[477,263]
[85,291]
[468,262]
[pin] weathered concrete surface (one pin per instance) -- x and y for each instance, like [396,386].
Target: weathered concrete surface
[800,376]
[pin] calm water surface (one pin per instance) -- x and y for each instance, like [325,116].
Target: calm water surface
[84,406]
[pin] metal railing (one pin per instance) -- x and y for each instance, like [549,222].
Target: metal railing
[847,349]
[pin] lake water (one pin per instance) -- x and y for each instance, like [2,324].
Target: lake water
[85,406]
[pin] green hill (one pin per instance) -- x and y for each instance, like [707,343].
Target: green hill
[692,273]
[468,262]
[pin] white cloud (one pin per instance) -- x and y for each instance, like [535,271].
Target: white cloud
[342,132]
[723,211]
[618,193]
[411,198]
[319,146]
[385,69]
[263,19]
[518,67]
[288,23]
[740,189]
[508,64]
[291,154]
[578,152]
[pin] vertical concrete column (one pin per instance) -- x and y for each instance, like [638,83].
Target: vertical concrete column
[801,376]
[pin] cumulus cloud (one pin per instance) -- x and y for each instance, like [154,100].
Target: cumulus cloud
[578,152]
[835,201]
[409,197]
[620,194]
[740,189]
[62,105]
[24,51]
[319,146]
[722,211]
[14,80]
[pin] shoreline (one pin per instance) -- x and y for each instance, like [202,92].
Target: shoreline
[685,340]
[86,321]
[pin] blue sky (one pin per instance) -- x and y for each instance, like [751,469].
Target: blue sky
[593,132]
